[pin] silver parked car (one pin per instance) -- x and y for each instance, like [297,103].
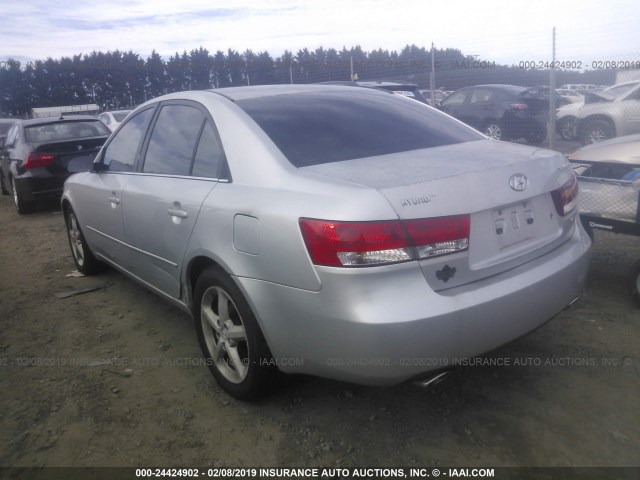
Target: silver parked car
[336,231]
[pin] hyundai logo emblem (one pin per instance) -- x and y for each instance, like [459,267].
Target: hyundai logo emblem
[518,182]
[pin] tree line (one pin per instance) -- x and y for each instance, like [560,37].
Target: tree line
[118,79]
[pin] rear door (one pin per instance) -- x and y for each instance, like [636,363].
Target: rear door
[179,169]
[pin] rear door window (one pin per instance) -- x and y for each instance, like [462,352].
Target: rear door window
[173,141]
[209,155]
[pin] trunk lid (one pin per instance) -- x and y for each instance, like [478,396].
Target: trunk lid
[69,150]
[509,224]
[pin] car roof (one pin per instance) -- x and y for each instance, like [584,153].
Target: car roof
[245,93]
[70,118]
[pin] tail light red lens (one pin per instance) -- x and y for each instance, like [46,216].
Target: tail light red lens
[519,106]
[349,244]
[439,236]
[565,198]
[39,160]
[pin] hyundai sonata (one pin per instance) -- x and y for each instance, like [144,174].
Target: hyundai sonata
[343,232]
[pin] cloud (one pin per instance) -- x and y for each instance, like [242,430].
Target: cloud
[507,32]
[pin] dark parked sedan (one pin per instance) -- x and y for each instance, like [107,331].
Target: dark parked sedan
[36,156]
[502,112]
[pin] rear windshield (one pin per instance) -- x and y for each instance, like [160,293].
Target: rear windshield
[59,131]
[120,116]
[325,127]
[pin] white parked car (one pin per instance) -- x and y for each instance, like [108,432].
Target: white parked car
[113,119]
[604,114]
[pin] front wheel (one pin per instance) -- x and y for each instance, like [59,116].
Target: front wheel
[634,282]
[230,337]
[82,256]
[493,130]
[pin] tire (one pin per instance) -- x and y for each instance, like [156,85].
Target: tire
[241,362]
[3,187]
[633,282]
[83,258]
[493,130]
[22,205]
[567,128]
[595,131]
[535,137]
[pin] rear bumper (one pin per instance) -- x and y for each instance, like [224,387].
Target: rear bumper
[37,188]
[385,325]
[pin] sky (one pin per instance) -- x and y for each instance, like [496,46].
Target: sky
[507,32]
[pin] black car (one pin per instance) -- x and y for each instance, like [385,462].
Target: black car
[36,156]
[405,89]
[5,125]
[502,112]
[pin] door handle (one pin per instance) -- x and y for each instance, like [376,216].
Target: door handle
[177,212]
[115,200]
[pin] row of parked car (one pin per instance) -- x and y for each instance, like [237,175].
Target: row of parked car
[588,114]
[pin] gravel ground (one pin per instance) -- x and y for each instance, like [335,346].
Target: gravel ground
[105,379]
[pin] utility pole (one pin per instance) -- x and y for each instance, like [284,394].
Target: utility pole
[290,73]
[352,68]
[433,76]
[552,94]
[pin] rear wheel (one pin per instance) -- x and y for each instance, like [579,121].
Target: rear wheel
[634,282]
[596,131]
[230,337]
[22,205]
[536,137]
[82,256]
[567,128]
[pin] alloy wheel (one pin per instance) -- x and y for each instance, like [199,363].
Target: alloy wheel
[224,334]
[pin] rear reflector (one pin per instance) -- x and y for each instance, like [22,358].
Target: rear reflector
[38,160]
[565,198]
[349,244]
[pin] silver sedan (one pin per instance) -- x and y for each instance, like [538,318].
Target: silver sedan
[343,232]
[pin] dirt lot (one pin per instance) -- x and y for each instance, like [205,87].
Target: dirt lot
[104,379]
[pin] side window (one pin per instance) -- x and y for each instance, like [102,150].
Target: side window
[12,136]
[455,99]
[480,96]
[173,141]
[120,155]
[209,155]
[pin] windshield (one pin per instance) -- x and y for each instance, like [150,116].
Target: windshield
[620,90]
[316,128]
[60,131]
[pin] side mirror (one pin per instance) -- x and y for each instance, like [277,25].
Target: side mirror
[99,167]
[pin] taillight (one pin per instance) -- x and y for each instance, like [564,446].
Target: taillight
[38,160]
[349,244]
[518,106]
[565,198]
[439,236]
